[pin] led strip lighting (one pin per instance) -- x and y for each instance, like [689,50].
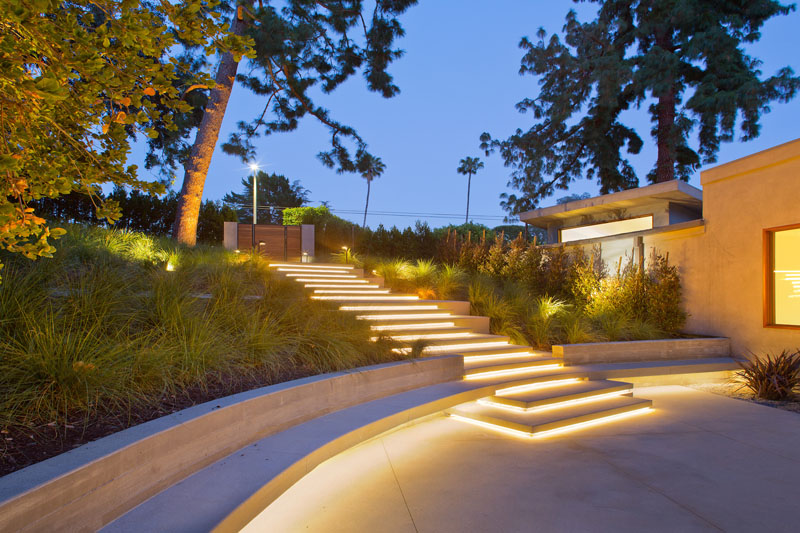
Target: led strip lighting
[339,286]
[386,297]
[387,307]
[547,433]
[399,317]
[555,405]
[310,267]
[315,275]
[351,291]
[320,271]
[511,371]
[497,356]
[453,347]
[535,386]
[316,280]
[433,325]
[431,336]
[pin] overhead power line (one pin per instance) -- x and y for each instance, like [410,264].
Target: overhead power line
[387,213]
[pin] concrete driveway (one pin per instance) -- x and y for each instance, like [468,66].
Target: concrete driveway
[698,462]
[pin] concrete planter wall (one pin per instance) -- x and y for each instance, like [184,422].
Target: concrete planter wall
[90,486]
[631,351]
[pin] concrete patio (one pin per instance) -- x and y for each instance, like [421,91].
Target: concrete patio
[698,462]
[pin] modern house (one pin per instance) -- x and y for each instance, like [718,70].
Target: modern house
[736,243]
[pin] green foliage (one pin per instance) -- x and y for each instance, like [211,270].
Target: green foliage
[542,321]
[78,80]
[274,191]
[330,231]
[103,327]
[686,61]
[773,377]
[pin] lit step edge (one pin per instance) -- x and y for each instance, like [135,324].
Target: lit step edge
[522,360]
[527,369]
[559,426]
[423,326]
[307,266]
[557,400]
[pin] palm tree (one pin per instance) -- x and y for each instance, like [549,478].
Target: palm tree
[370,168]
[469,166]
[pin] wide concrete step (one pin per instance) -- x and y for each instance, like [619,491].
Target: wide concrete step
[371,308]
[544,423]
[375,300]
[354,284]
[410,320]
[320,275]
[553,397]
[338,282]
[515,362]
[464,340]
[355,291]
[412,334]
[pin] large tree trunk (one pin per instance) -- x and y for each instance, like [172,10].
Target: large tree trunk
[665,137]
[185,228]
[666,140]
[366,206]
[469,184]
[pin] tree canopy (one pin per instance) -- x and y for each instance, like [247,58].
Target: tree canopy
[78,80]
[274,193]
[298,48]
[684,60]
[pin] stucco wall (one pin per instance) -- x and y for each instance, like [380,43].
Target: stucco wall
[740,200]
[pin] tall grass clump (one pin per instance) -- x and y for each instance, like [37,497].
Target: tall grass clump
[105,327]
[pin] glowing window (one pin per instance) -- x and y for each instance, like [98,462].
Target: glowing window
[783,276]
[606,229]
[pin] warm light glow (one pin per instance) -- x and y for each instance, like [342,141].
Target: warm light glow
[410,316]
[316,271]
[555,405]
[605,229]
[352,285]
[535,386]
[550,432]
[511,371]
[494,427]
[786,272]
[311,267]
[312,280]
[387,307]
[345,248]
[595,422]
[367,298]
[430,336]
[433,325]
[497,356]
[254,166]
[454,348]
[324,277]
[170,267]
[351,291]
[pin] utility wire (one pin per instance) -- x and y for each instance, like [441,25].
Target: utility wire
[383,213]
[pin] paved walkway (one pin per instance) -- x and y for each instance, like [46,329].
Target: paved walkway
[698,462]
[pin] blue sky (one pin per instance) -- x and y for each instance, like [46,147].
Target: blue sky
[458,78]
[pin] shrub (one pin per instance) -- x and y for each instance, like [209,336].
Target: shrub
[773,377]
[542,321]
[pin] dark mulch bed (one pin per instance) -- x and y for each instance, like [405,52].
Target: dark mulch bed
[21,447]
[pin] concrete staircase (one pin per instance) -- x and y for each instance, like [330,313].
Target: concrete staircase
[532,397]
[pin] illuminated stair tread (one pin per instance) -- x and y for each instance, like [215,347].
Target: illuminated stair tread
[553,395]
[521,361]
[411,320]
[471,339]
[409,330]
[533,422]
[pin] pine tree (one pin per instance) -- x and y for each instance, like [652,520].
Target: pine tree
[296,47]
[683,59]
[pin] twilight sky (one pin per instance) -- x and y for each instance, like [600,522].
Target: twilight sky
[458,78]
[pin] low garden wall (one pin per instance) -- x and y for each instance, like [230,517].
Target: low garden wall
[631,351]
[88,487]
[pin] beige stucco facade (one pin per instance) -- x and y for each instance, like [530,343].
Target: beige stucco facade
[721,256]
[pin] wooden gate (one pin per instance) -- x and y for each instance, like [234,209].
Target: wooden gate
[277,242]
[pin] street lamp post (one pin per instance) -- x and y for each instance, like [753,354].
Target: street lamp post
[254,168]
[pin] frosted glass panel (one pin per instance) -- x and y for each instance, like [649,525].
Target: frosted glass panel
[786,277]
[607,228]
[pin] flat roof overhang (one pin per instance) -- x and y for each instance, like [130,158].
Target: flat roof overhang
[675,191]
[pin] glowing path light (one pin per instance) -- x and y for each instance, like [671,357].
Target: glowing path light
[432,336]
[387,307]
[310,267]
[535,386]
[385,297]
[316,280]
[351,291]
[409,316]
[433,325]
[497,356]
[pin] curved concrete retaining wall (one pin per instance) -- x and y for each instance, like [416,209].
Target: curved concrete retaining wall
[88,487]
[632,351]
